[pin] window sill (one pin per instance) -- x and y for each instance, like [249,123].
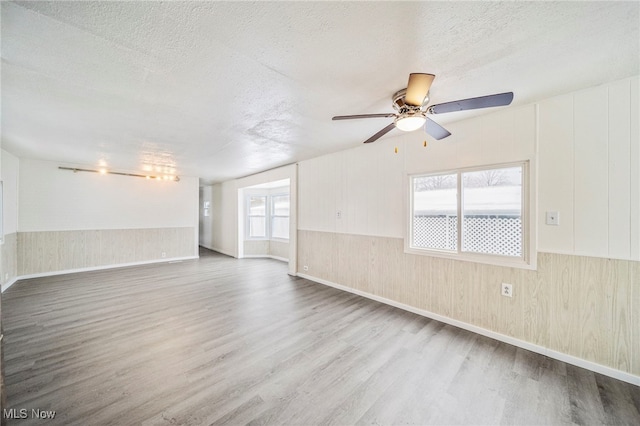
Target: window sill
[487,259]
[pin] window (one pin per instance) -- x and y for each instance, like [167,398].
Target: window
[470,212]
[257,208]
[492,211]
[435,212]
[268,216]
[280,216]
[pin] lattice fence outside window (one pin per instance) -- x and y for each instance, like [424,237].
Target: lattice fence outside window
[490,234]
[435,232]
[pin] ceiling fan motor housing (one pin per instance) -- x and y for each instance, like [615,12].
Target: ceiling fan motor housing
[399,102]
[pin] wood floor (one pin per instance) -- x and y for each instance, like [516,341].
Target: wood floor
[225,341]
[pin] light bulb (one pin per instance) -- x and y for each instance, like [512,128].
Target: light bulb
[410,123]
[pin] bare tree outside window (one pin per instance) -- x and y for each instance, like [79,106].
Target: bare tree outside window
[485,178]
[431,183]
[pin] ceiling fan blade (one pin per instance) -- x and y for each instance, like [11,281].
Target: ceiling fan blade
[351,117]
[381,133]
[500,99]
[435,130]
[417,88]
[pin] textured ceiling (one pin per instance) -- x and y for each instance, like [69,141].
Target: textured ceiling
[225,89]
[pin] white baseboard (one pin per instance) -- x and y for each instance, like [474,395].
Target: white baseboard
[9,283]
[569,359]
[93,268]
[223,252]
[265,256]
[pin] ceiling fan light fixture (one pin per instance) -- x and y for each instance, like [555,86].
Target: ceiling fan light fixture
[409,123]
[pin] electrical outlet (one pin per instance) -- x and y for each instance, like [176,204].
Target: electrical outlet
[164,254]
[339,214]
[506,290]
[305,267]
[553,218]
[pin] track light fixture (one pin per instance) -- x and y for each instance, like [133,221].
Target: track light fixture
[104,171]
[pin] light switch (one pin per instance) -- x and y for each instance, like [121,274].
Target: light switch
[553,218]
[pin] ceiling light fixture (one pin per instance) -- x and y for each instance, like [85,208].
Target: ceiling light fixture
[105,172]
[410,121]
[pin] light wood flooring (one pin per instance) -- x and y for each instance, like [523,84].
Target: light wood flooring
[225,341]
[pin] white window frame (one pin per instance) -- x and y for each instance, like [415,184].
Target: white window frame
[248,216]
[273,215]
[526,261]
[268,216]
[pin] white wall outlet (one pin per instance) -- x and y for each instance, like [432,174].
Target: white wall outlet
[339,214]
[6,276]
[164,254]
[553,218]
[305,267]
[506,290]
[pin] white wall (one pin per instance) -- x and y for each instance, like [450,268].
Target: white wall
[225,218]
[364,184]
[585,155]
[9,252]
[205,238]
[589,157]
[10,170]
[57,200]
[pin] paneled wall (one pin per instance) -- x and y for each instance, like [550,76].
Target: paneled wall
[279,249]
[9,253]
[585,307]
[52,251]
[583,297]
[589,157]
[267,248]
[9,172]
[363,185]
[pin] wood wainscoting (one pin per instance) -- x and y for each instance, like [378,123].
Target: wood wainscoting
[584,307]
[45,252]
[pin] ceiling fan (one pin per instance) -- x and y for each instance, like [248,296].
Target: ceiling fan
[412,108]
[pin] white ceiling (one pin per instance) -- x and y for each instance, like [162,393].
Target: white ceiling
[223,90]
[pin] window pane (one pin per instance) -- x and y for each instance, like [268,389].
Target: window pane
[280,227]
[435,205]
[280,205]
[257,227]
[257,206]
[492,211]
